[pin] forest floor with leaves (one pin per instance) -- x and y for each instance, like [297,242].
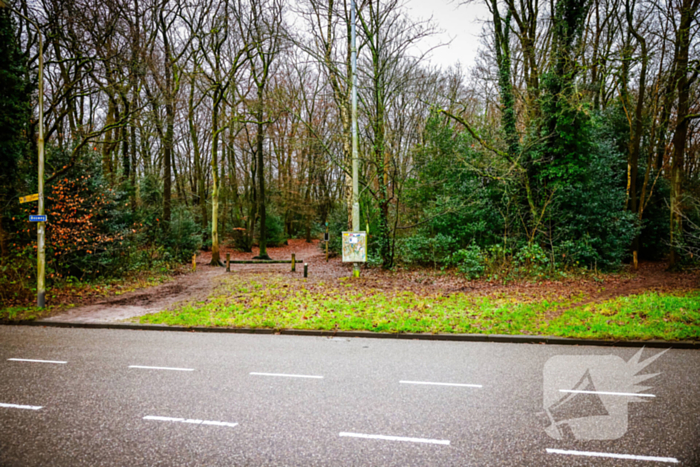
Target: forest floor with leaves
[648,303]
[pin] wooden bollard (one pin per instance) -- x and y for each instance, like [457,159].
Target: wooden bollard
[294,262]
[228,262]
[194,262]
[306,269]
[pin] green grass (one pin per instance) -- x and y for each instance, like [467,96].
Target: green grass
[646,316]
[275,303]
[24,313]
[66,295]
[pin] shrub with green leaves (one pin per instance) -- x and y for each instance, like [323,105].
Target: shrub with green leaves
[274,224]
[184,236]
[470,261]
[423,248]
[531,258]
[591,225]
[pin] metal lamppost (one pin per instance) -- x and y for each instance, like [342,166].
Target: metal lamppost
[41,253]
[355,155]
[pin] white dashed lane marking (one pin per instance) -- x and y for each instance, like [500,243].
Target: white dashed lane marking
[16,406]
[395,438]
[160,368]
[669,460]
[286,375]
[35,361]
[188,420]
[630,394]
[443,384]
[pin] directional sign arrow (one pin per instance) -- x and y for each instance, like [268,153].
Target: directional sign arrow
[28,198]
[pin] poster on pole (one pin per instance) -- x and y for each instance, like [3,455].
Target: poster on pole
[354,247]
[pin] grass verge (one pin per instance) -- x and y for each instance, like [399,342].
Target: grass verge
[73,294]
[276,302]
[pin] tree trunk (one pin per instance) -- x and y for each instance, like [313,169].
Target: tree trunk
[169,97]
[215,258]
[262,239]
[636,134]
[688,10]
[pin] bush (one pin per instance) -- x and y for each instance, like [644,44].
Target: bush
[18,277]
[424,249]
[591,223]
[531,259]
[274,225]
[470,261]
[159,242]
[184,237]
[82,236]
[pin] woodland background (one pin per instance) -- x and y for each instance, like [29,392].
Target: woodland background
[172,125]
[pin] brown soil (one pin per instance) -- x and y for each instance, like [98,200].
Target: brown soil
[185,287]
[650,276]
[197,286]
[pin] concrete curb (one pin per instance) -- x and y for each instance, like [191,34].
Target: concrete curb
[502,338]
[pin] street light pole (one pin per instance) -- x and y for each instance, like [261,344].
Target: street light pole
[41,226]
[355,156]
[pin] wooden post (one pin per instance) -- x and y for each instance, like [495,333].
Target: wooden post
[294,262]
[634,255]
[327,239]
[228,262]
[194,262]
[306,270]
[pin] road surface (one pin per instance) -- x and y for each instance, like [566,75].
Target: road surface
[71,397]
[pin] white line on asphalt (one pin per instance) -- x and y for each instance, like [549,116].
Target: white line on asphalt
[188,420]
[35,361]
[160,368]
[670,460]
[15,406]
[630,394]
[396,438]
[286,375]
[443,384]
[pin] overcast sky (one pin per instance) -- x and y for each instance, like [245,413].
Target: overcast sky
[461,23]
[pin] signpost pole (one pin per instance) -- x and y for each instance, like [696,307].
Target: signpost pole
[355,155]
[41,253]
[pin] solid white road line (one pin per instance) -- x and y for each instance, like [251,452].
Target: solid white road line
[286,375]
[630,394]
[443,384]
[15,406]
[670,460]
[396,438]
[160,368]
[188,420]
[35,361]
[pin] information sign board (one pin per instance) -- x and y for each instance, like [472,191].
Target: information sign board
[354,247]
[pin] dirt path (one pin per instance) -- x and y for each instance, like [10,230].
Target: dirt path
[144,301]
[197,286]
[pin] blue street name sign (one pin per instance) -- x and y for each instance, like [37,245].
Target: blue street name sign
[37,218]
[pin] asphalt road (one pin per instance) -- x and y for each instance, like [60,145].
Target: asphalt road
[133,398]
